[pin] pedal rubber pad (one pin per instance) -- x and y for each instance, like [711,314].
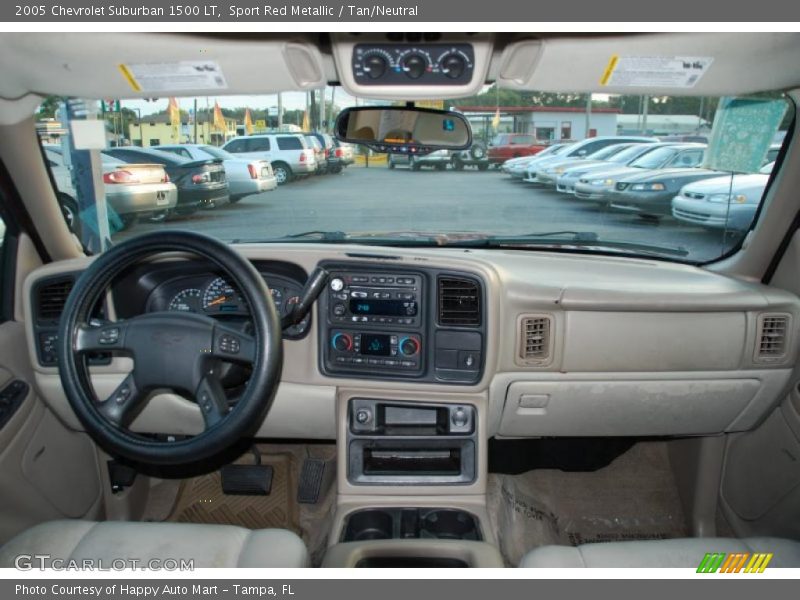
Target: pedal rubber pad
[315,477]
[246,480]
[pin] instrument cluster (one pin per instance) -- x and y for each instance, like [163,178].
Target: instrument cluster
[214,296]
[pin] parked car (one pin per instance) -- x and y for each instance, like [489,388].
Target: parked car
[289,153]
[474,156]
[201,183]
[571,175]
[728,202]
[320,155]
[517,167]
[596,186]
[696,138]
[132,190]
[244,176]
[513,145]
[547,175]
[580,150]
[333,161]
[650,194]
[438,159]
[344,153]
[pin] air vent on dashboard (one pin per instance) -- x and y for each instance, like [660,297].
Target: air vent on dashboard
[535,339]
[51,298]
[773,333]
[459,302]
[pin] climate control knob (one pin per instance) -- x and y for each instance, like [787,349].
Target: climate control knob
[453,66]
[375,66]
[414,66]
[342,342]
[408,346]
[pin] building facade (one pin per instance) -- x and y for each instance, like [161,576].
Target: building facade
[155,130]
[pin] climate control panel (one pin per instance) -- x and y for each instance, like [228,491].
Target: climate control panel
[413,64]
[368,349]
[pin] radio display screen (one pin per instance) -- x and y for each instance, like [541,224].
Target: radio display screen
[375,344]
[387,308]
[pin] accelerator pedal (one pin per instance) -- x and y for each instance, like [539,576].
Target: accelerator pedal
[315,478]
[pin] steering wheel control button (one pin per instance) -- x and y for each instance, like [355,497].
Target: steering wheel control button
[229,344]
[109,336]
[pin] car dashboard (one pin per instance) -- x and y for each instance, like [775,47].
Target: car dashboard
[496,343]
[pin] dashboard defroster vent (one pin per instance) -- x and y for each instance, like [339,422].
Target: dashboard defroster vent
[773,335]
[536,339]
[51,298]
[459,302]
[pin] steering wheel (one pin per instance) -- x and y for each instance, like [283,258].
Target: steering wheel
[179,352]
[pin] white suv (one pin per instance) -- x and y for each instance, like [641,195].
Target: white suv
[289,153]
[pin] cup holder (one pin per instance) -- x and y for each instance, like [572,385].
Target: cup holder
[411,523]
[369,525]
[448,524]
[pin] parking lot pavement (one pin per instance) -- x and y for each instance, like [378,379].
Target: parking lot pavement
[380,199]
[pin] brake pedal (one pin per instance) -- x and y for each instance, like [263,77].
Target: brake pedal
[315,478]
[246,480]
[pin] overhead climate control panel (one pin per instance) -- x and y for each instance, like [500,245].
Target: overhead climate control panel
[413,64]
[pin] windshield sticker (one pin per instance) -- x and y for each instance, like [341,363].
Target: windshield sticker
[655,71]
[182,75]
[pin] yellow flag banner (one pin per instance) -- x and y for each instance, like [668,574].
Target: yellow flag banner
[496,120]
[248,122]
[219,120]
[306,125]
[175,119]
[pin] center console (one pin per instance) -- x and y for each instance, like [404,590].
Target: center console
[408,443]
[390,323]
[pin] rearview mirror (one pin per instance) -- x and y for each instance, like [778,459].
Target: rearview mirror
[400,129]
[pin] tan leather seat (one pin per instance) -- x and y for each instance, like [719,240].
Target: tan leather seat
[207,545]
[687,552]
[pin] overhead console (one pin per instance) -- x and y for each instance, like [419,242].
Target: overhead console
[412,66]
[389,323]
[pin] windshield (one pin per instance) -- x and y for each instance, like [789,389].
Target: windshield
[290,182]
[655,158]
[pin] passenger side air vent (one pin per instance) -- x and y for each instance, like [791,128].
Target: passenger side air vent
[535,339]
[773,335]
[51,298]
[459,302]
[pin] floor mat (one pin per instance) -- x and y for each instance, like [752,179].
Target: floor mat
[201,499]
[633,498]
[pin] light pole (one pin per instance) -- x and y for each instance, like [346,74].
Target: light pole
[141,135]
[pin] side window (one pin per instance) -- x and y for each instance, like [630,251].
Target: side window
[258,145]
[289,143]
[235,146]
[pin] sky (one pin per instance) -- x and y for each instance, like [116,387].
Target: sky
[291,101]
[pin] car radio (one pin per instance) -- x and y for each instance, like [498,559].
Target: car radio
[375,321]
[381,298]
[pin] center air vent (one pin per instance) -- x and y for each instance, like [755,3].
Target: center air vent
[773,333]
[535,339]
[51,298]
[459,302]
